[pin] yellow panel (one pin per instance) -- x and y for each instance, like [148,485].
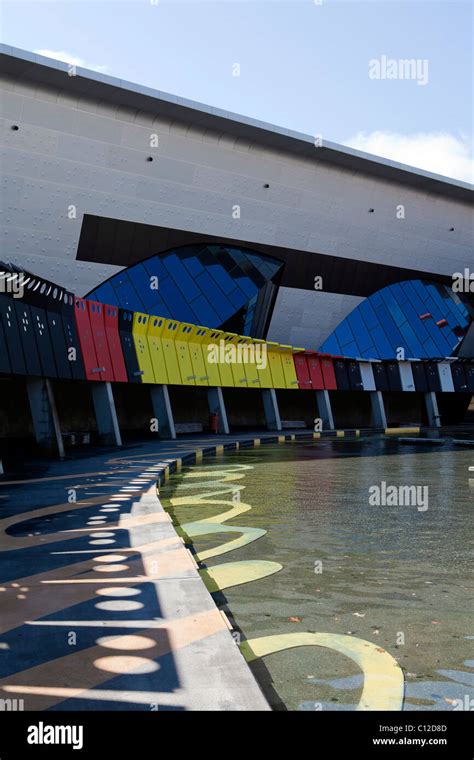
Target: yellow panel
[250,361]
[237,369]
[155,328]
[289,370]
[264,373]
[211,369]
[183,333]
[139,331]
[274,360]
[194,336]
[225,369]
[168,343]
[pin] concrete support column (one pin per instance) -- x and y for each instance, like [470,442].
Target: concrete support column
[378,409]
[215,399]
[44,414]
[434,419]
[325,409]
[105,413]
[272,412]
[160,399]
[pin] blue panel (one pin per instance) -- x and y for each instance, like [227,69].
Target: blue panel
[175,301]
[205,313]
[127,296]
[220,303]
[142,283]
[104,294]
[193,265]
[247,286]
[181,276]
[224,280]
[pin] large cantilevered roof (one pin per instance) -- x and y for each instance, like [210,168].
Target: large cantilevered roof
[30,67]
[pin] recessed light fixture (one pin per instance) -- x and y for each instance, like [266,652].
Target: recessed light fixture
[371,210]
[266,185]
[15,127]
[451,229]
[149,158]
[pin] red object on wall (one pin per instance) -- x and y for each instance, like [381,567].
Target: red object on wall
[114,343]
[329,375]
[96,316]
[315,371]
[214,422]
[302,371]
[86,340]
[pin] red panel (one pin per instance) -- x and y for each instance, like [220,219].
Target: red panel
[315,371]
[114,343]
[96,316]
[302,372]
[86,340]
[328,373]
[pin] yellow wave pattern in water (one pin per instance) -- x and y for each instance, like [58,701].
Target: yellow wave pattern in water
[383,687]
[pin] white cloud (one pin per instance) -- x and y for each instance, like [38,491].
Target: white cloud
[438,152]
[74,60]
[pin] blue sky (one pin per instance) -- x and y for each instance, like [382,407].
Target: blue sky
[302,65]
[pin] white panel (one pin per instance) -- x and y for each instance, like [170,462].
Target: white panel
[406,376]
[445,376]
[367,376]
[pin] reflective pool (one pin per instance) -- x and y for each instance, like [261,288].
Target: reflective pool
[398,577]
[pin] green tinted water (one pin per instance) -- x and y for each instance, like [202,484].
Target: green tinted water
[397,576]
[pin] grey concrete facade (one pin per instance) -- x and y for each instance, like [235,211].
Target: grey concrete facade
[81,147]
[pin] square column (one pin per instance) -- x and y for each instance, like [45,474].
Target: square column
[215,399]
[434,419]
[272,412]
[378,409]
[160,399]
[105,413]
[325,409]
[44,414]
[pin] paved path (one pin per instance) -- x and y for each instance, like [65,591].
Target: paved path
[101,604]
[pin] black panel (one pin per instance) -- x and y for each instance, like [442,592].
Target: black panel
[27,337]
[43,341]
[459,377]
[71,337]
[419,376]
[128,346]
[48,297]
[393,376]
[342,378]
[5,365]
[469,369]
[12,333]
[432,375]
[380,376]
[355,378]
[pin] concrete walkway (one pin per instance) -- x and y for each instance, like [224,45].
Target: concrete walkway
[101,604]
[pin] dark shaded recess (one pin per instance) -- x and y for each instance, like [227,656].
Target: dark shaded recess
[402,408]
[244,408]
[75,407]
[114,241]
[15,416]
[134,410]
[189,404]
[453,408]
[297,406]
[350,409]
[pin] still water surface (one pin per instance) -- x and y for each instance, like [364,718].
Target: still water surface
[397,576]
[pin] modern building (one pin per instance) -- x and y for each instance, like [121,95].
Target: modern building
[147,201]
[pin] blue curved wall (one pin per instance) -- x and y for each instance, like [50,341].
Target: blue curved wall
[392,318]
